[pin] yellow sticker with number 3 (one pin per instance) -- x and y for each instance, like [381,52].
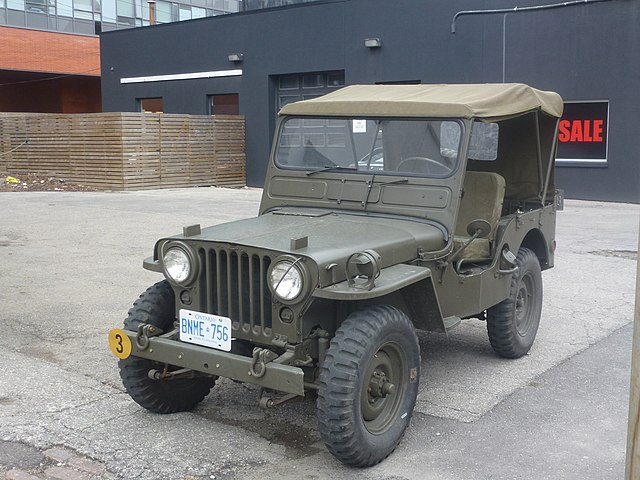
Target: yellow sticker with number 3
[119,343]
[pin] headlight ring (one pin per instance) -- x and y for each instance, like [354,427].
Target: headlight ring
[179,263]
[288,279]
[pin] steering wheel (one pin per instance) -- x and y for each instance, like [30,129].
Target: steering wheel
[422,165]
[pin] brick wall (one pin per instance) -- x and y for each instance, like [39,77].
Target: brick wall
[38,51]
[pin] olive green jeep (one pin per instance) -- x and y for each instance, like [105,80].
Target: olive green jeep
[386,209]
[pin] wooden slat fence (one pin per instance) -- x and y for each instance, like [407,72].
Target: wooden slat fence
[125,151]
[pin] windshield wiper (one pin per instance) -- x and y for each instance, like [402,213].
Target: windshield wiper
[332,168]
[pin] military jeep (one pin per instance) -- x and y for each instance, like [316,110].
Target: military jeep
[386,209]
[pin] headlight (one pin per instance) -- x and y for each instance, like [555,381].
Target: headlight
[177,264]
[286,280]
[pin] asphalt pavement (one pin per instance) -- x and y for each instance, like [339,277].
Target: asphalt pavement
[71,267]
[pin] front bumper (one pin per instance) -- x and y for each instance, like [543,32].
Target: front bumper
[215,362]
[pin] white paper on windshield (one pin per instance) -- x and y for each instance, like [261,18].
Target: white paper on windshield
[359,126]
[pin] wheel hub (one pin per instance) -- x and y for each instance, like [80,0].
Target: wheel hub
[379,386]
[383,388]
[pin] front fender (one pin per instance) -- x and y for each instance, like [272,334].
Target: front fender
[413,282]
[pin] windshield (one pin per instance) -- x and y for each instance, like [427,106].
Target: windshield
[385,146]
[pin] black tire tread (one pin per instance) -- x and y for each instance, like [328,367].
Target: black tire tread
[335,402]
[500,318]
[155,306]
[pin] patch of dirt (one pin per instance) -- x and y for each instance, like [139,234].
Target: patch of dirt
[39,183]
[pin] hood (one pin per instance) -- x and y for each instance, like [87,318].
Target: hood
[331,236]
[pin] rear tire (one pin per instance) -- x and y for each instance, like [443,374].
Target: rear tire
[513,323]
[156,307]
[368,385]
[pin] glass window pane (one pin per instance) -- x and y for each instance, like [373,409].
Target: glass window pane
[335,79]
[288,83]
[142,9]
[108,11]
[64,8]
[312,81]
[126,8]
[185,13]
[15,4]
[83,9]
[163,12]
[197,12]
[36,6]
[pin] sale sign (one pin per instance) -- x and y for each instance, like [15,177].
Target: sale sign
[582,132]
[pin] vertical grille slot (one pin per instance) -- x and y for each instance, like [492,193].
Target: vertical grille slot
[234,285]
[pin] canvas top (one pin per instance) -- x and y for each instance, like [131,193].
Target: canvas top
[489,101]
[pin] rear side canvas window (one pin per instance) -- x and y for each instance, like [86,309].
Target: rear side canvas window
[484,140]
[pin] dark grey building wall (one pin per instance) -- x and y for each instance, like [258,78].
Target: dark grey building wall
[585,52]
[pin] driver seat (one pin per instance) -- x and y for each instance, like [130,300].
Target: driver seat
[482,198]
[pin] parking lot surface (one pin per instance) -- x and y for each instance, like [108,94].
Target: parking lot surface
[72,265]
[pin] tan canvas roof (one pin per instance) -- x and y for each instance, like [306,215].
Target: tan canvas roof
[489,101]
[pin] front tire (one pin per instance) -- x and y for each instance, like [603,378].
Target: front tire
[513,323]
[368,385]
[156,307]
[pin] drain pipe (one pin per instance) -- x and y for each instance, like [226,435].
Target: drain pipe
[519,9]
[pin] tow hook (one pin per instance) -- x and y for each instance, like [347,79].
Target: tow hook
[145,331]
[261,356]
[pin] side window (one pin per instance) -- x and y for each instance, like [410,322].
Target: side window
[484,141]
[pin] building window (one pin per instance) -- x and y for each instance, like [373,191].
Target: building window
[83,9]
[228,104]
[15,4]
[163,12]
[109,11]
[152,105]
[37,6]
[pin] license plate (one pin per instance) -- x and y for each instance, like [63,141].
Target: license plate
[205,329]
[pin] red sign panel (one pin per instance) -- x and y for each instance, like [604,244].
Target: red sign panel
[582,133]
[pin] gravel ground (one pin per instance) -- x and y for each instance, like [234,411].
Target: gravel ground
[39,183]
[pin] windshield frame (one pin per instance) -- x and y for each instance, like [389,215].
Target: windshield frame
[352,169]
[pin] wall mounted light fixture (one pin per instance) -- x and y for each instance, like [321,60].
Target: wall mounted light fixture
[372,42]
[236,57]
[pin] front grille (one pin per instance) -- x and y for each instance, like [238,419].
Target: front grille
[235,286]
